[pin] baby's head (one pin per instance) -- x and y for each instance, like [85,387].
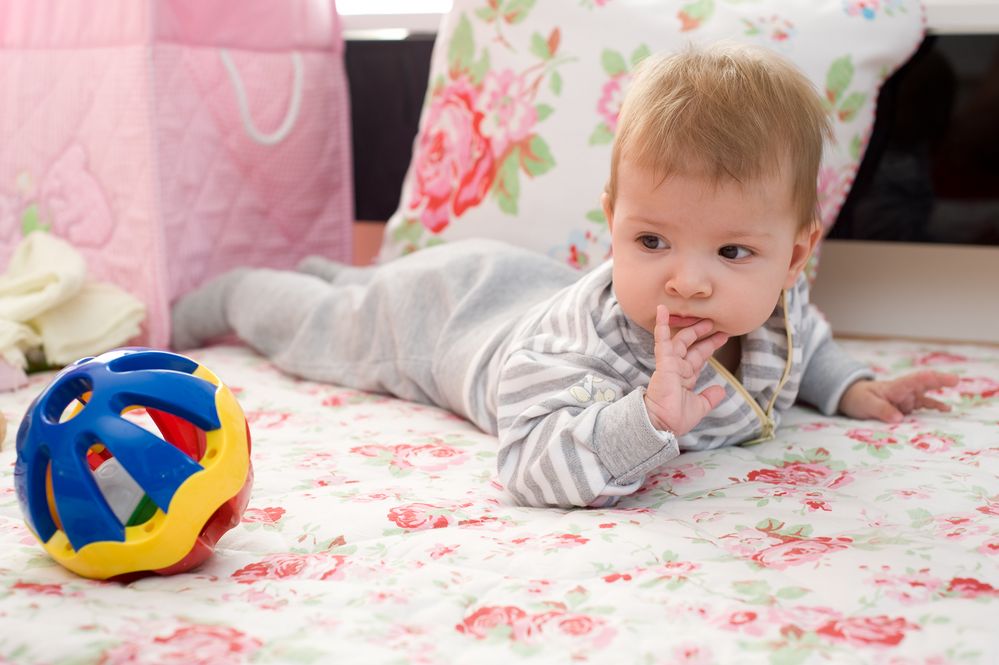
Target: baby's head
[712,196]
[728,112]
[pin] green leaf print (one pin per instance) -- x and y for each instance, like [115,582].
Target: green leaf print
[769,524]
[838,78]
[696,13]
[797,531]
[850,106]
[555,83]
[602,135]
[543,111]
[613,62]
[856,147]
[537,158]
[790,655]
[816,455]
[479,70]
[539,46]
[408,232]
[488,14]
[639,54]
[577,597]
[792,592]
[596,216]
[31,220]
[920,517]
[755,589]
[506,188]
[515,11]
[462,48]
[881,452]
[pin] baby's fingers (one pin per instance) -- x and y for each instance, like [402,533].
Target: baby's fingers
[926,380]
[662,336]
[699,353]
[885,411]
[685,338]
[925,402]
[710,397]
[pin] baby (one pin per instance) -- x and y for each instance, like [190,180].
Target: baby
[697,334]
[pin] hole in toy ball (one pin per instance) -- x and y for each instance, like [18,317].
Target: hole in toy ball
[211,453]
[149,526]
[66,399]
[123,495]
[74,407]
[97,454]
[143,512]
[181,433]
[50,497]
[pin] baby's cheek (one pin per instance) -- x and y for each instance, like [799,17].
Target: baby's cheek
[745,315]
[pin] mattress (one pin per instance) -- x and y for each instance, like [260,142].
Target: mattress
[377,533]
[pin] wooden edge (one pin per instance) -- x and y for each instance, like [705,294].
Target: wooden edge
[920,340]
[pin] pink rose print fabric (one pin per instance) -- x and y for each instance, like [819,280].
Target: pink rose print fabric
[454,161]
[516,131]
[479,134]
[378,532]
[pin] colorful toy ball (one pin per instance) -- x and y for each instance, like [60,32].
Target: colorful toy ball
[108,497]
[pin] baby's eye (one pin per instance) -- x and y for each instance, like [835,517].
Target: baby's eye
[734,252]
[652,242]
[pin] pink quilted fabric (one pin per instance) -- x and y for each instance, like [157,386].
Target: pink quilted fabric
[169,141]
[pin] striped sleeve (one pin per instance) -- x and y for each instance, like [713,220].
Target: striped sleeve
[828,370]
[572,432]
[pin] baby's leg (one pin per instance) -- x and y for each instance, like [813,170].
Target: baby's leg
[200,316]
[355,335]
[334,271]
[265,308]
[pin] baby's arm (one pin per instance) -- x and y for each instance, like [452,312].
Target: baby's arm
[890,400]
[834,382]
[573,432]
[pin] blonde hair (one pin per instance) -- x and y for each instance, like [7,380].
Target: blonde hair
[728,112]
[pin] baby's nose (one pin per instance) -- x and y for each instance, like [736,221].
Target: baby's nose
[688,282]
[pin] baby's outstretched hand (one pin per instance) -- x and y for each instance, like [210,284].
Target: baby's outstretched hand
[669,399]
[888,401]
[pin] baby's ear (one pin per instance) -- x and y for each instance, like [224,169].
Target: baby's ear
[608,206]
[804,244]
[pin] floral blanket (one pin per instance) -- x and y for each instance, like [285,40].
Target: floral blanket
[377,533]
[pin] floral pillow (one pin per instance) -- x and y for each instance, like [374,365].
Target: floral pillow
[516,132]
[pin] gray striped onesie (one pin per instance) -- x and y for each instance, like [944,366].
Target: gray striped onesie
[526,349]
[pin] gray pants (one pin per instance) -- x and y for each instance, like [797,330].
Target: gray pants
[410,328]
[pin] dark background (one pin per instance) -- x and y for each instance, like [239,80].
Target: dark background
[930,173]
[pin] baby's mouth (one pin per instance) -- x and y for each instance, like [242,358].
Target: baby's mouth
[676,321]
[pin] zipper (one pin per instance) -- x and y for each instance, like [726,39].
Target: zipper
[765,420]
[765,416]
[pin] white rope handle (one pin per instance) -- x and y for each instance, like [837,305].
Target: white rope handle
[294,105]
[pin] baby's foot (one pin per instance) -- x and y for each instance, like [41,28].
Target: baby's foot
[319,267]
[201,316]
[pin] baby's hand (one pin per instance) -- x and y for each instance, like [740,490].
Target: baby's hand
[669,399]
[889,400]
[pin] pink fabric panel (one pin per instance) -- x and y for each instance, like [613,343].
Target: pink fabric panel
[137,152]
[75,148]
[257,24]
[58,24]
[251,24]
[255,204]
